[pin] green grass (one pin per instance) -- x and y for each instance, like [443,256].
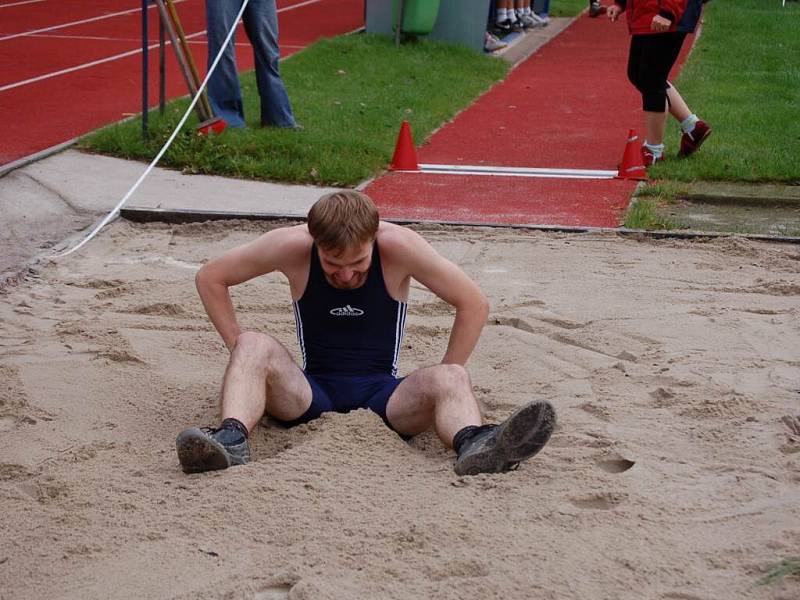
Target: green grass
[350,93]
[643,214]
[644,211]
[567,8]
[744,78]
[787,567]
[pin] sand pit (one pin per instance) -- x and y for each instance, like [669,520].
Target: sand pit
[674,472]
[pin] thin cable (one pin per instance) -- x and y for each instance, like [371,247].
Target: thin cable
[115,211]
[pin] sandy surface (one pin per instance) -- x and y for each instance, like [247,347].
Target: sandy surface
[674,472]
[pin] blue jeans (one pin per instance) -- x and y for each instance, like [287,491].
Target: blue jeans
[261,24]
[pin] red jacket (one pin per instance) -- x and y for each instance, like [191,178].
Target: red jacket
[641,13]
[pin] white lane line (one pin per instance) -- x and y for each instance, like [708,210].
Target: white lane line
[121,13]
[94,63]
[122,55]
[20,3]
[91,20]
[92,38]
[515,171]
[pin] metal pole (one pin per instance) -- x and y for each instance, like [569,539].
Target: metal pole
[162,68]
[176,45]
[401,7]
[187,52]
[145,70]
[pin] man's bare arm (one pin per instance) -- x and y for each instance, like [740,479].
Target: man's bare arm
[452,285]
[274,251]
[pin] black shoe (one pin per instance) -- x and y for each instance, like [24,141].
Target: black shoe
[596,9]
[502,28]
[500,448]
[207,449]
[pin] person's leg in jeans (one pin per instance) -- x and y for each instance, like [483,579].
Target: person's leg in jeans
[545,9]
[261,24]
[224,92]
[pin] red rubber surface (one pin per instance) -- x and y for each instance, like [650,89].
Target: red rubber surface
[513,200]
[41,114]
[568,106]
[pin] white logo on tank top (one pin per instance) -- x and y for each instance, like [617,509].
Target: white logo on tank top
[347,311]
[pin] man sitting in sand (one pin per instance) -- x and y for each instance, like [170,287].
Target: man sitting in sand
[349,276]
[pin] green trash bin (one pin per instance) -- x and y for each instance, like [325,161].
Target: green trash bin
[419,16]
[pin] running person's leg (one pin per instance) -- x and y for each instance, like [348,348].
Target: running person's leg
[650,59]
[694,130]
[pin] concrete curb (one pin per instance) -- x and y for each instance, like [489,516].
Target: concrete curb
[147,215]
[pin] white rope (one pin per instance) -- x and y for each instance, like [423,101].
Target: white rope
[115,211]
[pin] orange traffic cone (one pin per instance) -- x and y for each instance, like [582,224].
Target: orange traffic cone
[405,155]
[632,166]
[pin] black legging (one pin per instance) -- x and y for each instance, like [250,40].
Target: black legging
[650,59]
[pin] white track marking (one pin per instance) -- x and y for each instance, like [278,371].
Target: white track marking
[94,63]
[20,3]
[119,14]
[101,61]
[514,171]
[90,20]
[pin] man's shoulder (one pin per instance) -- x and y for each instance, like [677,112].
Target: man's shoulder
[290,238]
[283,247]
[396,237]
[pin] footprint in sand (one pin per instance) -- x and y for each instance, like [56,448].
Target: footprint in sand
[10,471]
[793,423]
[273,592]
[663,398]
[601,501]
[615,464]
[792,444]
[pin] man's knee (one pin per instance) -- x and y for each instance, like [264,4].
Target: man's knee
[445,378]
[255,350]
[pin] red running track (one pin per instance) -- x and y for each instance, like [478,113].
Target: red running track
[569,106]
[50,92]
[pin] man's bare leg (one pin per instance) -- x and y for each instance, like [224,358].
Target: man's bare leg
[261,375]
[441,396]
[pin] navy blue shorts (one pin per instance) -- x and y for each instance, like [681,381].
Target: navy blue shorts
[343,393]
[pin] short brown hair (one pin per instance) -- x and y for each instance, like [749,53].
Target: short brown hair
[342,220]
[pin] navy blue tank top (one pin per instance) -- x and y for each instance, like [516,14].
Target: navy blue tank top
[349,332]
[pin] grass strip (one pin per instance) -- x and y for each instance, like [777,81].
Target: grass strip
[567,8]
[743,77]
[785,568]
[349,93]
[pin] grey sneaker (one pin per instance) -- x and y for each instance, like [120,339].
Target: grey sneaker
[492,43]
[500,448]
[528,22]
[542,20]
[206,449]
